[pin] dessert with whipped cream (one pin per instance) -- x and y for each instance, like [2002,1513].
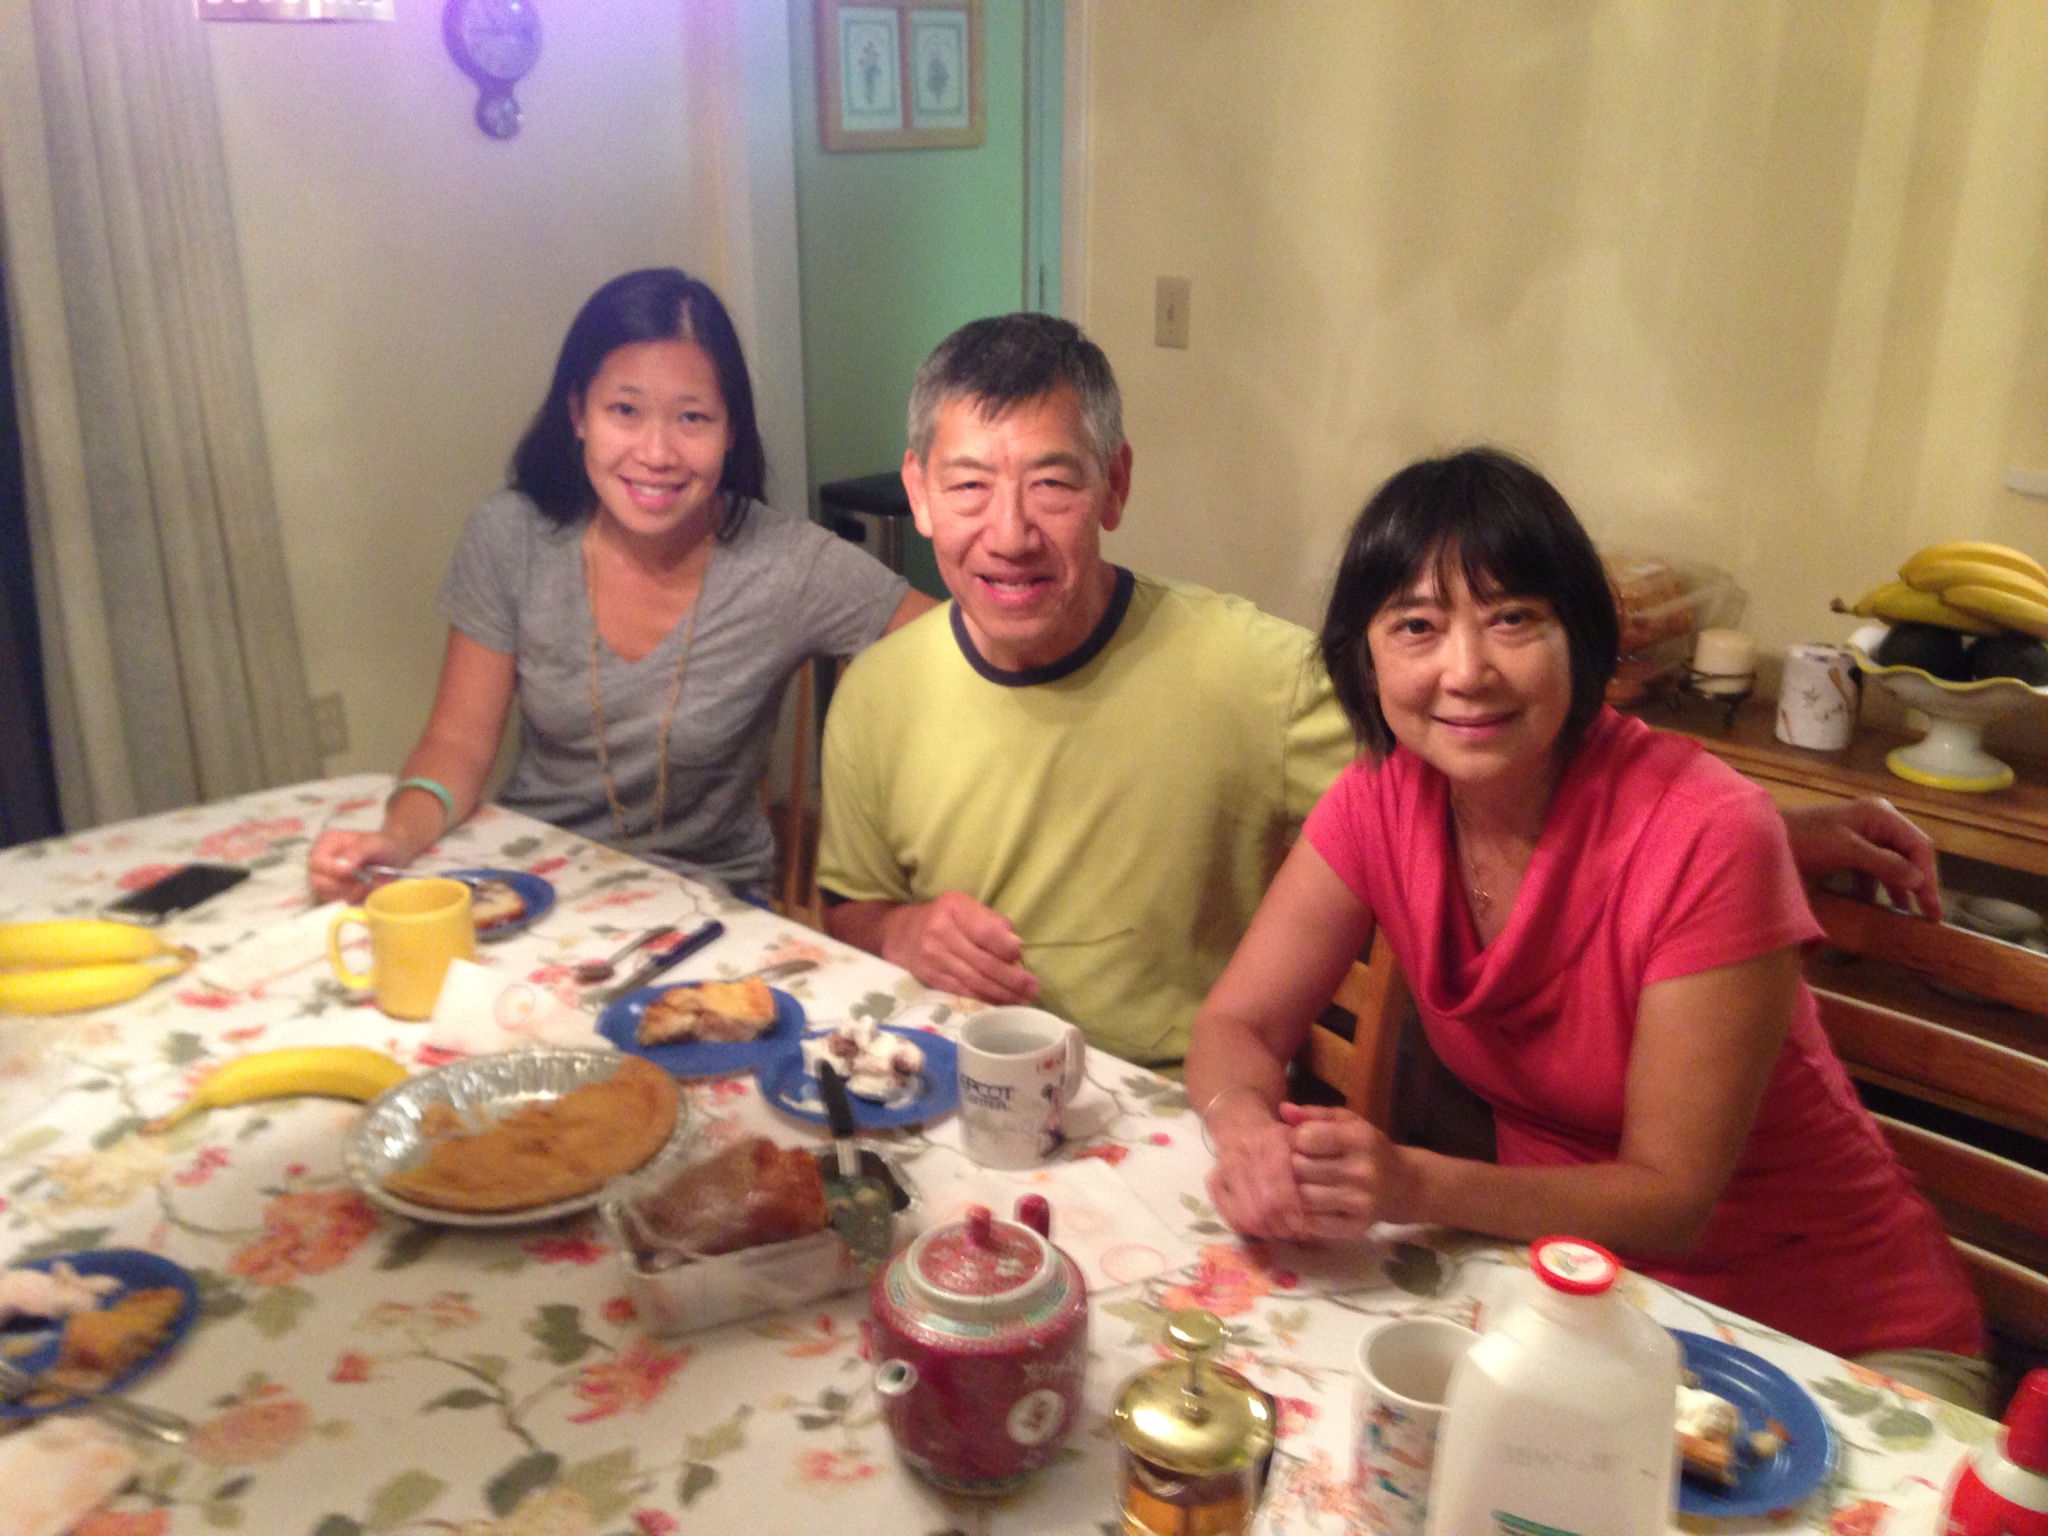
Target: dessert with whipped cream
[876,1063]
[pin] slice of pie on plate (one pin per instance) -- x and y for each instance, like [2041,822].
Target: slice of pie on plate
[1707,1428]
[494,903]
[720,1012]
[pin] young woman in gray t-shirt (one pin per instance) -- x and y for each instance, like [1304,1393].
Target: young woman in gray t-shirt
[644,608]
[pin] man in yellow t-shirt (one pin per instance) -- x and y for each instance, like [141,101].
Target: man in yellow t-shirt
[1071,786]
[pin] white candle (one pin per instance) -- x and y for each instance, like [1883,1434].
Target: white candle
[1724,653]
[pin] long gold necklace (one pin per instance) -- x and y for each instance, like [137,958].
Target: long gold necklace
[668,714]
[1468,869]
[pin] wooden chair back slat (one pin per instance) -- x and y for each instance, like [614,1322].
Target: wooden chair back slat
[1361,1068]
[1930,1061]
[1968,1176]
[2015,1296]
[1972,962]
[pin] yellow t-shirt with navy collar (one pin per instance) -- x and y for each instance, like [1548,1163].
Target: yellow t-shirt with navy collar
[1124,808]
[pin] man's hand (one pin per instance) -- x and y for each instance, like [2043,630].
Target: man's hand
[1871,840]
[1350,1175]
[1252,1185]
[955,944]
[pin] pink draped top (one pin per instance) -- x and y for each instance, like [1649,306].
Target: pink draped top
[1655,861]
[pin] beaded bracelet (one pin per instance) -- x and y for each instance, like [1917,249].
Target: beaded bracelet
[440,792]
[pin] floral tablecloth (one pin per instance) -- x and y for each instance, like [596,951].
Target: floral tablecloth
[355,1372]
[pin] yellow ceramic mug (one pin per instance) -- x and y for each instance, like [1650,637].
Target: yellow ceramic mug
[416,928]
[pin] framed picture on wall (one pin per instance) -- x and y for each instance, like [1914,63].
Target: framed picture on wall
[901,75]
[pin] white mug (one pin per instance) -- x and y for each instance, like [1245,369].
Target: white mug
[1818,697]
[1397,1407]
[1019,1068]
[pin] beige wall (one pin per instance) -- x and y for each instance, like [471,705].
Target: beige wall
[409,281]
[1763,285]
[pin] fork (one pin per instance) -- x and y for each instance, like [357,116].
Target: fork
[117,1411]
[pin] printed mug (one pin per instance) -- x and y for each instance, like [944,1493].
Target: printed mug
[1397,1407]
[1019,1069]
[416,928]
[1818,697]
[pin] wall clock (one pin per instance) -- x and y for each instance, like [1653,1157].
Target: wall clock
[496,43]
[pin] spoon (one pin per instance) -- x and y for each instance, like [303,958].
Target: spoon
[588,973]
[118,1411]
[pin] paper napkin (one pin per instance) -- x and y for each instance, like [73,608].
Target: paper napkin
[481,1011]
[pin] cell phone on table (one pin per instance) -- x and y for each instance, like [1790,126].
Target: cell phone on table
[179,891]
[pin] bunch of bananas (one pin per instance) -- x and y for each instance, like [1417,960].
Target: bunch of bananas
[1974,587]
[77,963]
[335,1071]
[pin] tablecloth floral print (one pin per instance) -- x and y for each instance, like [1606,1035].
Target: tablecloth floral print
[353,1372]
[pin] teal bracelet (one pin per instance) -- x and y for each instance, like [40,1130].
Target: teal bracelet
[433,787]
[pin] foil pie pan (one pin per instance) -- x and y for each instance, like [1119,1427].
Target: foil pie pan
[389,1138]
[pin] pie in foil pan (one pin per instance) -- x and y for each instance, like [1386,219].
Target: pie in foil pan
[399,1127]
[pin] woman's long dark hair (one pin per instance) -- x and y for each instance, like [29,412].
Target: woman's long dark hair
[658,304]
[1511,534]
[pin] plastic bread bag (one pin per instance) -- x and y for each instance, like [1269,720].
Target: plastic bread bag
[1662,603]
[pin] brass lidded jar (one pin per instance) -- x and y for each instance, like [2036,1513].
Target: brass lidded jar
[1194,1439]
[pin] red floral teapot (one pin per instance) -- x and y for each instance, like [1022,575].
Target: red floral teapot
[980,1339]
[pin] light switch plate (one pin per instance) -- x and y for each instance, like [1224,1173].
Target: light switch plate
[330,724]
[1170,312]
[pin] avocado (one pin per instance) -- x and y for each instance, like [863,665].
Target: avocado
[1936,651]
[2010,655]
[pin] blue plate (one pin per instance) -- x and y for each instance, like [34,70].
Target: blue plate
[137,1271]
[538,894]
[1760,1392]
[701,1058]
[790,1087]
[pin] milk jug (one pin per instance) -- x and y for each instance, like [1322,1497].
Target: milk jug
[1558,1420]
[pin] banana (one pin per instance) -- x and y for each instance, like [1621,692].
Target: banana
[2003,605]
[1974,549]
[76,941]
[335,1071]
[1940,575]
[1901,604]
[70,988]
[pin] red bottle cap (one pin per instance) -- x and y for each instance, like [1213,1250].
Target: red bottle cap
[2026,1424]
[1573,1265]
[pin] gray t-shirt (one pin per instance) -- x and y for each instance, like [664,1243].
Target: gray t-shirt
[781,590]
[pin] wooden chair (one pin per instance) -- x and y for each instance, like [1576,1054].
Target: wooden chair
[1360,1065]
[796,825]
[1962,1086]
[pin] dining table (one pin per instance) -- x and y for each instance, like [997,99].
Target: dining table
[353,1370]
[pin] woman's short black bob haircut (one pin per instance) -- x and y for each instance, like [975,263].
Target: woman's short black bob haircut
[658,304]
[1510,533]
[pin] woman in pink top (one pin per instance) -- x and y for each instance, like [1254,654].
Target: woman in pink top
[1601,925]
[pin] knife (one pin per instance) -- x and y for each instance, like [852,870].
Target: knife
[659,960]
[857,1203]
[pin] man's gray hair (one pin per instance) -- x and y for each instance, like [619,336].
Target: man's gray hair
[1006,360]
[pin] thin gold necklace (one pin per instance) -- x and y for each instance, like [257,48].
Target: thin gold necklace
[668,714]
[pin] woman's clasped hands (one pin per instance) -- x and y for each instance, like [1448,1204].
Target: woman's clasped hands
[1314,1172]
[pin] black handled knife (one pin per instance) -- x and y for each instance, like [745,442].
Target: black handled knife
[659,960]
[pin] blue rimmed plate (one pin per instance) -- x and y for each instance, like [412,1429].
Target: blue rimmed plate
[536,894]
[34,1347]
[790,1086]
[1760,1392]
[701,1058]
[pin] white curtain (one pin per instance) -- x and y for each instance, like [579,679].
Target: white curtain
[172,656]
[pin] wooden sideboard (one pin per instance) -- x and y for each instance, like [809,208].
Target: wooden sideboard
[2007,827]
